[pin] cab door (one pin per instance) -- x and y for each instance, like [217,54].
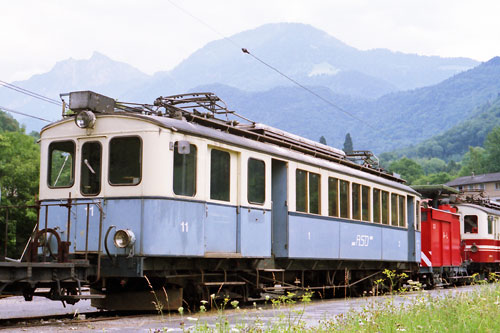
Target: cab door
[221,221]
[90,183]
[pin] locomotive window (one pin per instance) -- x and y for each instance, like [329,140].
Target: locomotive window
[394,209]
[470,224]
[356,202]
[376,205]
[125,161]
[61,159]
[185,171]
[314,193]
[344,198]
[401,211]
[220,167]
[301,190]
[490,225]
[333,196]
[385,207]
[256,191]
[90,169]
[365,203]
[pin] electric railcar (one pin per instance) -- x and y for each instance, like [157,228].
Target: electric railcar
[201,205]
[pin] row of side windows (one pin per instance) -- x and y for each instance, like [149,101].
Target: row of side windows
[341,194]
[124,164]
[184,175]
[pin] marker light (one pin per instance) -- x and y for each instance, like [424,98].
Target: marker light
[124,238]
[85,119]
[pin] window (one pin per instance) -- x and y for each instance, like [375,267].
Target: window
[394,209]
[480,186]
[90,170]
[365,203]
[470,224]
[402,211]
[356,201]
[125,161]
[301,190]
[376,205]
[385,207]
[220,171]
[307,192]
[61,164]
[256,192]
[333,196]
[185,171]
[490,225]
[344,198]
[314,193]
[497,186]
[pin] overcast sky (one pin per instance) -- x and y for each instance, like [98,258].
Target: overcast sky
[155,35]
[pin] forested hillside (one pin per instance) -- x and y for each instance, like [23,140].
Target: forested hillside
[19,168]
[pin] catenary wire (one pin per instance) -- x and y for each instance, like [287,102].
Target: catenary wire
[245,50]
[30,93]
[23,114]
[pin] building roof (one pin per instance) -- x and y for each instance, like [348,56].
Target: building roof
[476,179]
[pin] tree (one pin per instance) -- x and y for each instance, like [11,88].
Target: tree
[492,147]
[348,148]
[322,140]
[19,164]
[407,168]
[7,123]
[474,161]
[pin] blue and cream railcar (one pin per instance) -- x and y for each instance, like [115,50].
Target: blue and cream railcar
[200,204]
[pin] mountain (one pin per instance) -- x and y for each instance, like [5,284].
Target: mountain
[391,122]
[306,54]
[455,142]
[99,73]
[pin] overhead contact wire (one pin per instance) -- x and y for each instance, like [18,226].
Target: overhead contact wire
[23,114]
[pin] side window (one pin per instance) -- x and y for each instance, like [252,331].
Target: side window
[333,196]
[344,198]
[490,225]
[385,207]
[256,191]
[220,168]
[125,158]
[470,224]
[300,190]
[307,192]
[365,203]
[61,164]
[376,205]
[394,209]
[402,211]
[356,201]
[185,171]
[314,193]
[90,170]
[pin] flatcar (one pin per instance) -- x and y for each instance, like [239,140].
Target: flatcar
[202,205]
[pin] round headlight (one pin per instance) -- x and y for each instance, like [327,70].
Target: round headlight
[124,238]
[85,119]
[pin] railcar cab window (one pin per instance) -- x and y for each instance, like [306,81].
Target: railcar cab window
[220,167]
[185,168]
[307,192]
[256,191]
[470,224]
[490,225]
[398,213]
[385,207]
[61,164]
[90,170]
[360,202]
[376,206]
[125,158]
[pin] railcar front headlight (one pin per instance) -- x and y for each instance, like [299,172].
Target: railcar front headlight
[124,238]
[85,119]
